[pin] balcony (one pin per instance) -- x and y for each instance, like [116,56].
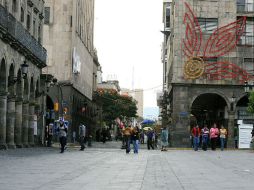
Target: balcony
[19,38]
[245,8]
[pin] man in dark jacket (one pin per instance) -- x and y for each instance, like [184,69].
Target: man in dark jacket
[149,139]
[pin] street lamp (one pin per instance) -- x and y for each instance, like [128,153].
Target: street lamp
[24,69]
[232,100]
[55,83]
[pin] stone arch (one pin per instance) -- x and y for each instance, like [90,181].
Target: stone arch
[26,90]
[11,80]
[37,89]
[242,99]
[3,81]
[19,91]
[32,90]
[209,108]
[210,92]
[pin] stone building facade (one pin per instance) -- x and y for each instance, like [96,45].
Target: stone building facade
[209,57]
[72,60]
[138,95]
[20,95]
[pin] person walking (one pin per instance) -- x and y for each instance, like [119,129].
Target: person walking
[205,136]
[127,134]
[150,139]
[135,139]
[62,129]
[82,136]
[214,132]
[223,134]
[196,136]
[164,138]
[104,135]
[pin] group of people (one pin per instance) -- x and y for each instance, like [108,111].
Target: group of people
[131,135]
[62,132]
[205,134]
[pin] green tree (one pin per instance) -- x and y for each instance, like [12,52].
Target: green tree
[115,105]
[251,103]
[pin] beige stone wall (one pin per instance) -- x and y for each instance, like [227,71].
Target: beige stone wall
[138,95]
[70,27]
[224,10]
[13,57]
[35,9]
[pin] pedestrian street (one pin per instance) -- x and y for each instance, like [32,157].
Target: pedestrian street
[113,169]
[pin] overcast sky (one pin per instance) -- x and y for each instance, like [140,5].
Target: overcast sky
[128,38]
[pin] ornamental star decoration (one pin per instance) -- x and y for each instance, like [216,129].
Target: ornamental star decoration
[221,41]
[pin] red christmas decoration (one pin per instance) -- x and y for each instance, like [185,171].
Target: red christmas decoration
[222,41]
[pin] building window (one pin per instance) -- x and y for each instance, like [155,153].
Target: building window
[249,64]
[39,33]
[245,5]
[248,36]
[34,28]
[47,15]
[208,25]
[14,6]
[168,17]
[22,15]
[211,60]
[28,22]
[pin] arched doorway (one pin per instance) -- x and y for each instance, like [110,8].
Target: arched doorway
[50,117]
[10,119]
[31,113]
[25,113]
[241,110]
[18,111]
[2,77]
[3,103]
[209,108]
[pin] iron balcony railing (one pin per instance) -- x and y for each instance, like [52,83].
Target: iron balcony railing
[15,32]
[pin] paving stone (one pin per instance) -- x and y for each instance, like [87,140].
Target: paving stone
[111,169]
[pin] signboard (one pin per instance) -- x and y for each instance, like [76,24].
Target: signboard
[76,62]
[244,135]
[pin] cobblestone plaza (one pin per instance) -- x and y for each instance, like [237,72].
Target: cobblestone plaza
[103,168]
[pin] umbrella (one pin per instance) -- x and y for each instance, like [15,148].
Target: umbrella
[146,128]
[147,121]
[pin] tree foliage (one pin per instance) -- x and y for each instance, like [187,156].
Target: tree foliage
[115,105]
[251,103]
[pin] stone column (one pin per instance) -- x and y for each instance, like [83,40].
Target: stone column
[231,119]
[25,124]
[18,124]
[10,122]
[31,125]
[3,110]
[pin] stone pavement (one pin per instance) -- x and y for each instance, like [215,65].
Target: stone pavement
[112,169]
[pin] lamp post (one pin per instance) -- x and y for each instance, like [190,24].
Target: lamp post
[55,83]
[232,100]
[24,69]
